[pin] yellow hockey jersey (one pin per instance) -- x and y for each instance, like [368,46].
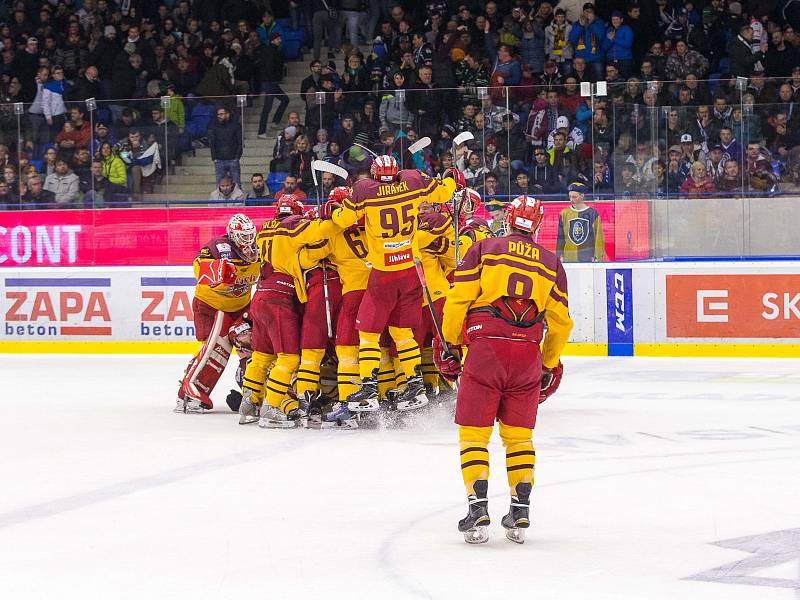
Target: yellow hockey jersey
[476,230]
[433,245]
[515,267]
[281,241]
[228,298]
[390,211]
[347,251]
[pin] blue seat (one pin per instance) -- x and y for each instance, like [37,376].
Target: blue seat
[275,180]
[291,48]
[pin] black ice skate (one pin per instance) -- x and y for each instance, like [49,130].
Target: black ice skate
[475,526]
[517,520]
[366,398]
[413,395]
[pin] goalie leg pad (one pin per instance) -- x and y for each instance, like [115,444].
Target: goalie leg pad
[206,368]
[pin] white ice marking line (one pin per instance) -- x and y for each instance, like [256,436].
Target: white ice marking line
[385,550]
[658,437]
[117,490]
[770,430]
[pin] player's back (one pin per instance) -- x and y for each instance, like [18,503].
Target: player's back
[513,266]
[348,251]
[279,241]
[390,211]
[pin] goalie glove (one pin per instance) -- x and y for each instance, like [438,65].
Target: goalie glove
[449,364]
[217,272]
[551,379]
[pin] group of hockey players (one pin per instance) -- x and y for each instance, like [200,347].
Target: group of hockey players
[338,327]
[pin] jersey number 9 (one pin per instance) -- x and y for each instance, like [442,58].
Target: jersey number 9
[394,224]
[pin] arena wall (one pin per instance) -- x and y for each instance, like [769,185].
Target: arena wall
[642,309]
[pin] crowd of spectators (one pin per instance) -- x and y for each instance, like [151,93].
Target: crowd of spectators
[701,96]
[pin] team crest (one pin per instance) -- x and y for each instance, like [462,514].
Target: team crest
[578,230]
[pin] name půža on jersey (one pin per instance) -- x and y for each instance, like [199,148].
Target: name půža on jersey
[523,249]
[391,189]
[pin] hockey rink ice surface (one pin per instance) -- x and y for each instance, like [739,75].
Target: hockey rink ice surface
[656,478]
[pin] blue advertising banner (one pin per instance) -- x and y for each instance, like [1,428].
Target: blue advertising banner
[619,307]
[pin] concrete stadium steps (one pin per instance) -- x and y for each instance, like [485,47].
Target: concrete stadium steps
[194,179]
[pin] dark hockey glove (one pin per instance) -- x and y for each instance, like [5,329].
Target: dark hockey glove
[551,379]
[234,400]
[448,363]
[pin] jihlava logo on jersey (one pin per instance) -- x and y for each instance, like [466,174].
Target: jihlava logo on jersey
[578,230]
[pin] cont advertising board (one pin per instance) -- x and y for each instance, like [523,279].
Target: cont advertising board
[619,309]
[172,236]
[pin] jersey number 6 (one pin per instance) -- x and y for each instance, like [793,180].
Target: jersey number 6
[353,239]
[391,221]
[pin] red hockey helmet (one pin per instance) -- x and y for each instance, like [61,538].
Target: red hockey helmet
[242,233]
[384,168]
[287,205]
[524,212]
[338,194]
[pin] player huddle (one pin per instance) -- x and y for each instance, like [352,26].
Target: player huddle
[337,298]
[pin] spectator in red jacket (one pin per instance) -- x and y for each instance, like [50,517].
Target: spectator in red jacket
[698,184]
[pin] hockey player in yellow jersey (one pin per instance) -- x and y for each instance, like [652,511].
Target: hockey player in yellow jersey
[225,268]
[389,203]
[275,311]
[502,293]
[346,252]
[433,244]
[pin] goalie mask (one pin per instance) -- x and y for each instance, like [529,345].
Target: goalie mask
[242,233]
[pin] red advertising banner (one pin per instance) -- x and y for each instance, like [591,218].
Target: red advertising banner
[172,236]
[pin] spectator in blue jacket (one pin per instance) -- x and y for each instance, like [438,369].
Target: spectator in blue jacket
[268,25]
[587,37]
[618,44]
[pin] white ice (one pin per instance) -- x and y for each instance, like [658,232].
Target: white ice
[642,466]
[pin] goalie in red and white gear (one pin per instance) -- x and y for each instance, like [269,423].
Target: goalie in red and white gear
[225,268]
[503,293]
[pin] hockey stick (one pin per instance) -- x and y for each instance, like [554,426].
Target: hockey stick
[461,138]
[421,275]
[420,144]
[365,148]
[321,165]
[327,300]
